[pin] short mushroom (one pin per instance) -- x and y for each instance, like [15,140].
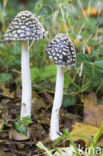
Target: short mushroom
[24,27]
[62,51]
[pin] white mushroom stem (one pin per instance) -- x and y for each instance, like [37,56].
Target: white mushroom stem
[26,81]
[54,125]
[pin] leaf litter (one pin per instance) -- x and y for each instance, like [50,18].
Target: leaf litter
[12,141]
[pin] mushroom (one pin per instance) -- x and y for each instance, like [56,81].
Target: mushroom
[62,51]
[24,27]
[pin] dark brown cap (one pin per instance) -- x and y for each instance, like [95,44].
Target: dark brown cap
[25,26]
[62,51]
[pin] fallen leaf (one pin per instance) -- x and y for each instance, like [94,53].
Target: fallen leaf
[37,132]
[79,43]
[3,134]
[1,125]
[93,113]
[82,129]
[37,103]
[43,118]
[13,134]
[91,11]
[4,153]
[89,49]
[6,92]
[49,97]
[4,102]
[20,146]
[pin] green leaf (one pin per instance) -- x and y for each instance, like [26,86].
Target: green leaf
[82,58]
[67,80]
[21,124]
[69,101]
[27,121]
[100,101]
[35,74]
[99,65]
[5,77]
[47,72]
[100,21]
[88,69]
[20,127]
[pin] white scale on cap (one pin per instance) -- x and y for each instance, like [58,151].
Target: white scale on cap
[61,50]
[25,26]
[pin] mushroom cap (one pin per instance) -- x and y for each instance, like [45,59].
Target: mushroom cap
[62,51]
[25,26]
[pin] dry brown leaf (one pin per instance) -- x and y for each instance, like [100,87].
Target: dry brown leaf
[5,92]
[37,103]
[83,130]
[13,134]
[91,11]
[5,153]
[43,118]
[78,42]
[89,49]
[93,113]
[49,97]
[1,125]
[37,132]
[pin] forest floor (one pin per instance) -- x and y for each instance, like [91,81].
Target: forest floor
[77,121]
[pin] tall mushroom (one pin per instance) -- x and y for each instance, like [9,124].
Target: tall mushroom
[24,27]
[62,51]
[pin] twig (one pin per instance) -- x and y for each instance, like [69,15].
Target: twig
[61,9]
[81,6]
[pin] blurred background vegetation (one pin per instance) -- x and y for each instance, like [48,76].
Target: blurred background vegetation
[82,21]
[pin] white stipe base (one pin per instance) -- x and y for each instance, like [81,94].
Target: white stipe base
[26,81]
[54,125]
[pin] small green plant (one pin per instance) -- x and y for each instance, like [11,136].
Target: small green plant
[62,138]
[5,77]
[66,135]
[95,140]
[41,146]
[21,125]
